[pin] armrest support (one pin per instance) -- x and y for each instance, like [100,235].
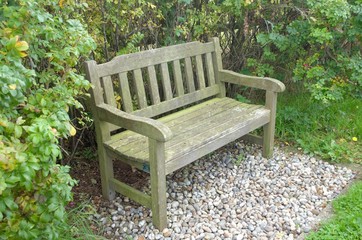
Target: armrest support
[145,126]
[268,84]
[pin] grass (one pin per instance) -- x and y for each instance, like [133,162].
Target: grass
[78,226]
[347,222]
[333,132]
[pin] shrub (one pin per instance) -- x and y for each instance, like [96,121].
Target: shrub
[40,47]
[319,45]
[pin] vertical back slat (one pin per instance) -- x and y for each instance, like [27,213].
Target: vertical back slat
[178,78]
[125,92]
[200,72]
[140,88]
[216,56]
[108,91]
[210,69]
[189,75]
[166,83]
[155,95]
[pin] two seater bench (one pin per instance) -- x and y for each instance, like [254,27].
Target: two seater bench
[161,109]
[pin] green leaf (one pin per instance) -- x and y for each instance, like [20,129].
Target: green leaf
[45,217]
[18,130]
[36,139]
[59,213]
[43,103]
[20,120]
[9,202]
[12,179]
[2,205]
[53,207]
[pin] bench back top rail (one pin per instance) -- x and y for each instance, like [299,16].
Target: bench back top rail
[156,81]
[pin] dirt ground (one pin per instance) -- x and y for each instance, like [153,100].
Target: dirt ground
[86,172]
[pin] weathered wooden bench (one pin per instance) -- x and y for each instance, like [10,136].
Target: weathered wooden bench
[185,85]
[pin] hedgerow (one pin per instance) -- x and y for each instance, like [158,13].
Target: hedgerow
[41,44]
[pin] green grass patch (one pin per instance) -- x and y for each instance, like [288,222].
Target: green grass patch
[333,131]
[347,221]
[78,226]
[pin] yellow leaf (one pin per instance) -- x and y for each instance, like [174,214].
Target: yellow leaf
[54,131]
[12,86]
[248,2]
[354,139]
[61,3]
[21,46]
[7,31]
[3,123]
[72,131]
[23,54]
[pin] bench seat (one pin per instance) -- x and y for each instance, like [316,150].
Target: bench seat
[197,130]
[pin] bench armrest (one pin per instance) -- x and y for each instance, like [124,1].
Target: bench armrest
[264,83]
[144,126]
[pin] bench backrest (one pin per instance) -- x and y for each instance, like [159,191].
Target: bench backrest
[156,81]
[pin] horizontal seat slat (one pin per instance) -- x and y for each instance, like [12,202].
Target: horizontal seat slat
[195,131]
[200,109]
[217,130]
[152,57]
[177,121]
[223,119]
[232,134]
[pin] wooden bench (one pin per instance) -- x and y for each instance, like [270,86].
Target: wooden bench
[185,85]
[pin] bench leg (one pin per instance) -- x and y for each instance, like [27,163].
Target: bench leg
[268,140]
[158,183]
[106,169]
[269,129]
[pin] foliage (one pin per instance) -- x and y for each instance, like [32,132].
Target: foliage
[122,27]
[347,222]
[314,42]
[40,45]
[318,43]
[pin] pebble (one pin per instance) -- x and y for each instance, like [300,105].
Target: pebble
[217,197]
[166,232]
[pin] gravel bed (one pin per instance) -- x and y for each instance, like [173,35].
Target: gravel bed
[234,193]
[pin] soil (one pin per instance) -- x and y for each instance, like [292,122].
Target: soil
[86,172]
